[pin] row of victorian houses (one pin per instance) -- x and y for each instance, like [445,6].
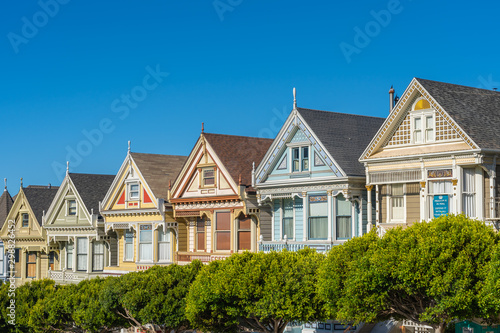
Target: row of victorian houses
[325,178]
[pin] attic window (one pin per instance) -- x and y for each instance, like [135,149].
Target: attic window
[423,122]
[133,191]
[26,220]
[421,105]
[208,177]
[71,207]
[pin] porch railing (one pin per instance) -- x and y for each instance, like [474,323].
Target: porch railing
[268,246]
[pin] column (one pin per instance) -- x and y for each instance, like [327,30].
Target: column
[492,175]
[89,255]
[369,213]
[330,212]
[191,234]
[305,222]
[208,235]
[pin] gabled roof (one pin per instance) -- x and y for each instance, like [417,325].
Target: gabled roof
[39,199]
[476,111]
[159,170]
[6,203]
[345,136]
[237,153]
[91,188]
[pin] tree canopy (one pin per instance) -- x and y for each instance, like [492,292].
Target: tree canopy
[430,273]
[256,291]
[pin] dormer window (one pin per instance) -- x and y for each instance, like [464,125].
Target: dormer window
[208,177]
[300,159]
[133,191]
[71,207]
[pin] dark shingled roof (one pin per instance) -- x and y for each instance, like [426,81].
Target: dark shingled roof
[345,136]
[92,188]
[237,153]
[6,202]
[39,199]
[476,111]
[159,170]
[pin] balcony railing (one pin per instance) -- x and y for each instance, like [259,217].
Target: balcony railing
[320,246]
[493,212]
[65,277]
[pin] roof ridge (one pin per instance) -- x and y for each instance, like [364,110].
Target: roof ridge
[238,136]
[457,85]
[342,113]
[156,154]
[90,174]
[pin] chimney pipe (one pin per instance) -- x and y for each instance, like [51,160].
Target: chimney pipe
[391,97]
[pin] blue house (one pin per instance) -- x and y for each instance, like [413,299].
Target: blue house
[313,181]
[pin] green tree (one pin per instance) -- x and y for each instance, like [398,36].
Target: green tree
[156,296]
[430,273]
[256,291]
[489,298]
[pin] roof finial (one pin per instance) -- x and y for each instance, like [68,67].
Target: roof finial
[128,146]
[5,181]
[202,127]
[294,99]
[239,180]
[21,182]
[67,167]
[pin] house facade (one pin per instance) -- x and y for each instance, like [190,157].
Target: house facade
[214,201]
[436,153]
[33,258]
[311,180]
[136,210]
[75,229]
[6,203]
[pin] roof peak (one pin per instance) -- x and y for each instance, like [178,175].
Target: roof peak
[341,113]
[457,85]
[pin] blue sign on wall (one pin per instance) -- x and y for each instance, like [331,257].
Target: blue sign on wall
[440,204]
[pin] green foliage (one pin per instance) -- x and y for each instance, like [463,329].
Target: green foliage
[256,291]
[156,296]
[490,293]
[431,272]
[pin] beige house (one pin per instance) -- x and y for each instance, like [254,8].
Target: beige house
[436,153]
[33,257]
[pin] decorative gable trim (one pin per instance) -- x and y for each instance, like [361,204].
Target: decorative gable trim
[391,124]
[293,121]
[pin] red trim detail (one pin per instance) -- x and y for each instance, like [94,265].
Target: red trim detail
[121,201]
[147,199]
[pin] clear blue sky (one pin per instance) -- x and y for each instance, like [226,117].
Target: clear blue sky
[232,64]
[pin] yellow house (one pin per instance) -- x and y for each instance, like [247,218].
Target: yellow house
[75,230]
[214,200]
[24,225]
[135,208]
[436,153]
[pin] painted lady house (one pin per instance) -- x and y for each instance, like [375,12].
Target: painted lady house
[312,181]
[436,153]
[136,210]
[6,203]
[75,229]
[214,200]
[33,258]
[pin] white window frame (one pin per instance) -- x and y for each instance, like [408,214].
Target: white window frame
[80,255]
[69,255]
[125,252]
[472,192]
[422,114]
[22,220]
[168,242]
[96,255]
[203,170]
[129,191]
[68,207]
[390,217]
[145,243]
[301,159]
[429,197]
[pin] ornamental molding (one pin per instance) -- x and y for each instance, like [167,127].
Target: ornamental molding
[301,189]
[209,205]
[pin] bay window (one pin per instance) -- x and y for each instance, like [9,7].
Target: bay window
[343,218]
[129,246]
[98,256]
[81,253]
[468,192]
[287,218]
[318,217]
[146,243]
[440,197]
[163,245]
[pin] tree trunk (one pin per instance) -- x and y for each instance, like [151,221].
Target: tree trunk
[440,328]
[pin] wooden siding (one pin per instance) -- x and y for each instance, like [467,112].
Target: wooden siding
[412,202]
[265,222]
[383,203]
[183,236]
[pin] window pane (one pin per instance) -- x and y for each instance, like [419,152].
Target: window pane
[429,123]
[440,187]
[200,225]
[71,207]
[223,240]
[287,208]
[344,227]
[146,251]
[146,236]
[318,227]
[82,245]
[223,221]
[418,123]
[163,236]
[81,262]
[69,256]
[25,220]
[468,181]
[164,252]
[129,251]
[209,177]
[288,227]
[244,223]
[318,205]
[244,240]
[129,237]
[397,189]
[134,188]
[343,206]
[98,256]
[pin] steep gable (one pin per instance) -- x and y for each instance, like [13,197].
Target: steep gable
[6,203]
[92,188]
[39,199]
